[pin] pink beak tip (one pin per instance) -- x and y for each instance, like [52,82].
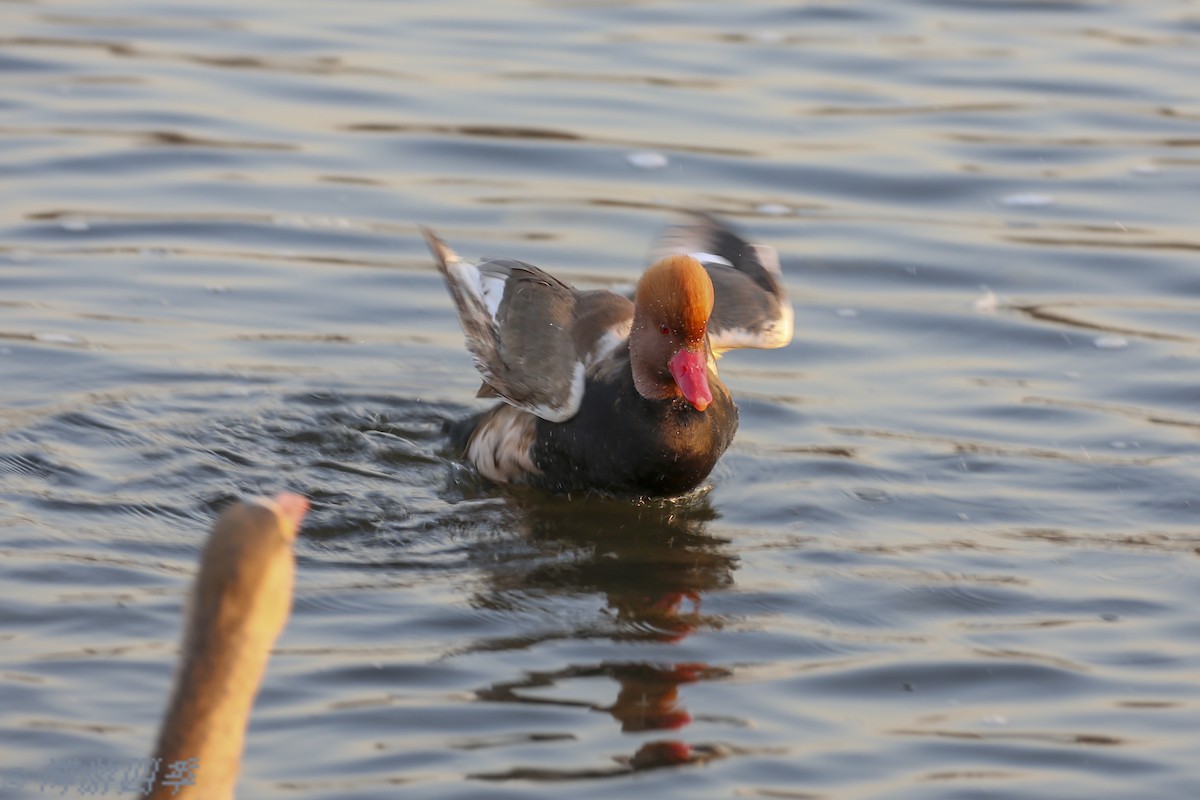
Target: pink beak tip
[690,370]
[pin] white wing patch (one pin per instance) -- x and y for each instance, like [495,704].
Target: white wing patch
[492,287]
[465,276]
[613,338]
[776,333]
[711,258]
[486,289]
[560,412]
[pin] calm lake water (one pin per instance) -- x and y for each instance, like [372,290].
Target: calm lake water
[952,552]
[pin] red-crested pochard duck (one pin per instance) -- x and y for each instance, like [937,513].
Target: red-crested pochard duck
[240,601]
[601,392]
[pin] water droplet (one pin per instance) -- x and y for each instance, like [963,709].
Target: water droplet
[1111,342]
[647,160]
[51,337]
[1028,199]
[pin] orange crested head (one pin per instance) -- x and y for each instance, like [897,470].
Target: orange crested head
[678,291]
[668,344]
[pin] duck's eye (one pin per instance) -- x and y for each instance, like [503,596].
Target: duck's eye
[664,329]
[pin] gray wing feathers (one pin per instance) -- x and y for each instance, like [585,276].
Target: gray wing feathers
[752,308]
[518,322]
[602,323]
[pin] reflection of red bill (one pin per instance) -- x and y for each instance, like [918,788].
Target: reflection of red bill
[671,720]
[690,369]
[661,754]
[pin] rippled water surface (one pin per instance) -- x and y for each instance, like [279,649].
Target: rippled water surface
[951,554]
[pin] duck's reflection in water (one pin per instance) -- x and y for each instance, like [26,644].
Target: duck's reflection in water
[652,563]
